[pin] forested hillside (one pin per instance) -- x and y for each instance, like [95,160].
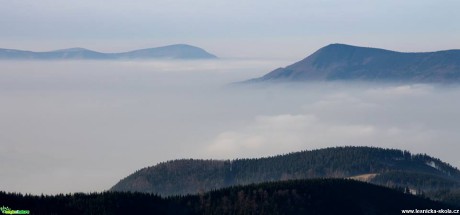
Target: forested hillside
[392,168]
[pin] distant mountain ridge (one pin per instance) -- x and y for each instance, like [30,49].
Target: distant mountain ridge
[178,51]
[338,62]
[389,167]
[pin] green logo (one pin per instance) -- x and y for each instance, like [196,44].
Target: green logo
[7,210]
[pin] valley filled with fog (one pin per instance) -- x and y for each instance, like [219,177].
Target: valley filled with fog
[80,126]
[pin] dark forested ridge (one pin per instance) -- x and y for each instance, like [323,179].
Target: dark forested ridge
[178,51]
[346,62]
[315,196]
[390,167]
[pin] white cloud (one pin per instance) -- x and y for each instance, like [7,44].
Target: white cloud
[264,136]
[401,116]
[271,135]
[401,90]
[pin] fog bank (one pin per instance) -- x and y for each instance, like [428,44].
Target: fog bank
[82,126]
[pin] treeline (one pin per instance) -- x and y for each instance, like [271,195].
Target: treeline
[317,196]
[92,203]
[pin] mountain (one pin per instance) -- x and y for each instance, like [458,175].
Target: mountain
[389,167]
[173,51]
[317,196]
[337,62]
[179,51]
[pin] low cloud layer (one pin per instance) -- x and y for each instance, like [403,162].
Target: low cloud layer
[420,118]
[82,126]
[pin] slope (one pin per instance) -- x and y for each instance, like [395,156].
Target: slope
[345,62]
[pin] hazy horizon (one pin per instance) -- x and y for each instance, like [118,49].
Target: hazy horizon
[236,29]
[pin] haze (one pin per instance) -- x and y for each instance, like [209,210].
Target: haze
[82,126]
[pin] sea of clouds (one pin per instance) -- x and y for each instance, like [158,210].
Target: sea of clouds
[80,126]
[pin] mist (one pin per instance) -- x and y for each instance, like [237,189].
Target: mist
[81,126]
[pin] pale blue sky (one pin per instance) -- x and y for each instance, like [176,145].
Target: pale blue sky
[237,28]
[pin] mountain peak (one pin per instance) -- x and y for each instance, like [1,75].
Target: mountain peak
[182,45]
[333,45]
[176,51]
[346,62]
[75,49]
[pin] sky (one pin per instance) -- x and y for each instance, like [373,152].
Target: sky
[231,29]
